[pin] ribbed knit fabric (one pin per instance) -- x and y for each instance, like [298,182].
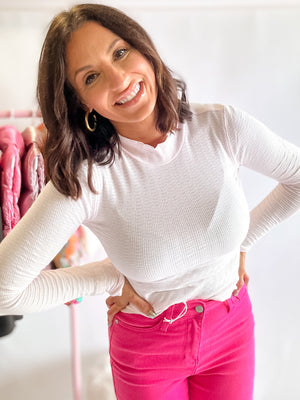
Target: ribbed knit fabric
[172,219]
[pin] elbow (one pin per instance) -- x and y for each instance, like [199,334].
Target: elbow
[10,304]
[8,310]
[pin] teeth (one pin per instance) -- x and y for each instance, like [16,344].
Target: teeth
[131,95]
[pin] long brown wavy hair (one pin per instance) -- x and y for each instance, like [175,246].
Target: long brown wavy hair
[68,142]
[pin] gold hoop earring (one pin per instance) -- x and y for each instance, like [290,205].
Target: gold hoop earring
[87,124]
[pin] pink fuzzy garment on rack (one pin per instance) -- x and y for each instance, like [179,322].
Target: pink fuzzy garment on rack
[22,168]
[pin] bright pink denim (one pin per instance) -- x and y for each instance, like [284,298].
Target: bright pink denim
[204,355]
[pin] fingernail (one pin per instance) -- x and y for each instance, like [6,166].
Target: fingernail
[152,314]
[235,293]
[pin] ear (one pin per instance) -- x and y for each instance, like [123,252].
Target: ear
[86,107]
[83,105]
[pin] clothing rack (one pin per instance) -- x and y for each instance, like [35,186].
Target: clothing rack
[74,319]
[20,114]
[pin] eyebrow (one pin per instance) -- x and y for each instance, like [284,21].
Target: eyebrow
[111,46]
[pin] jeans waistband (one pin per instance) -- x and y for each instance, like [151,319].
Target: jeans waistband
[199,306]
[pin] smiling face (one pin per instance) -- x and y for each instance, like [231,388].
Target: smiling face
[111,77]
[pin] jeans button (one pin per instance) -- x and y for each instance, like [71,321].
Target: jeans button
[199,309]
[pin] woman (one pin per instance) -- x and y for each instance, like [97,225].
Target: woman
[157,181]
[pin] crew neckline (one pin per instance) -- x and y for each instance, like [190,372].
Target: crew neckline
[163,153]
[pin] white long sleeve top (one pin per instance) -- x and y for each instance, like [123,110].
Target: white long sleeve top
[172,219]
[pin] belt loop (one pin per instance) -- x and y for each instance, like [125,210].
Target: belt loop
[232,302]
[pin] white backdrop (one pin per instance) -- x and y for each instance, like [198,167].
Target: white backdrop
[245,53]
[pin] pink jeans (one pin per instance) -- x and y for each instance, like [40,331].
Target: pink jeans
[206,354]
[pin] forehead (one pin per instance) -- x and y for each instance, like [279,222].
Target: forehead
[87,42]
[90,32]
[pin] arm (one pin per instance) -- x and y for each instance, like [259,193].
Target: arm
[33,243]
[254,146]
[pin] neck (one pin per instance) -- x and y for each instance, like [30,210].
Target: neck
[144,132]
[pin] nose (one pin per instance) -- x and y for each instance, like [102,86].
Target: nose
[116,78]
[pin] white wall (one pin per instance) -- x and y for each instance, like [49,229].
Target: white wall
[239,52]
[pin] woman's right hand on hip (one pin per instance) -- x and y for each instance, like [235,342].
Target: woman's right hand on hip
[129,295]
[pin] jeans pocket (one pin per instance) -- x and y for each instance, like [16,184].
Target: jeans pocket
[137,322]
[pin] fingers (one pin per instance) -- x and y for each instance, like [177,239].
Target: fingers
[114,309]
[243,280]
[246,279]
[143,305]
[117,303]
[243,276]
[109,301]
[133,298]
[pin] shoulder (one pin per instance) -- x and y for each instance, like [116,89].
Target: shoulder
[224,110]
[198,108]
[206,117]
[219,116]
[208,126]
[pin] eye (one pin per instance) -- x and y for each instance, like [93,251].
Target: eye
[90,79]
[120,53]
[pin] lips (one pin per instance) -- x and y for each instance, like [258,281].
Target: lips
[130,95]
